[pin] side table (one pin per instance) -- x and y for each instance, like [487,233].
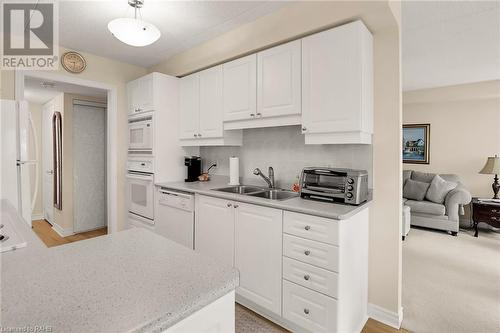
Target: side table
[486,212]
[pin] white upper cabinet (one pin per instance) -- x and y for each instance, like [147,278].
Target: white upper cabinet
[140,94]
[201,107]
[258,254]
[337,85]
[189,105]
[240,88]
[211,123]
[278,80]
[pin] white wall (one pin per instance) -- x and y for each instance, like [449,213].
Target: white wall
[465,121]
[36,115]
[284,149]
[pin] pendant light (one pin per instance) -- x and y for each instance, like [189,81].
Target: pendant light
[133,31]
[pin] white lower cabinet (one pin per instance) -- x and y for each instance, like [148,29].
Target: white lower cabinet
[309,309]
[258,253]
[309,276]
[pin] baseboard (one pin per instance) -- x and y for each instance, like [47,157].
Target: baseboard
[63,232]
[385,316]
[35,217]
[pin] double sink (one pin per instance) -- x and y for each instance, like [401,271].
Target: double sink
[259,192]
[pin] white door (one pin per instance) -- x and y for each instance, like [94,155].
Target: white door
[211,123]
[89,167]
[214,228]
[258,254]
[331,80]
[189,104]
[240,88]
[47,162]
[132,91]
[278,80]
[144,98]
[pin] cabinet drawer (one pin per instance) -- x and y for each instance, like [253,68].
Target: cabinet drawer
[311,227]
[309,309]
[312,252]
[310,276]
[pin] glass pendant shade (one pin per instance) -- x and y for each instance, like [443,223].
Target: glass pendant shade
[134,32]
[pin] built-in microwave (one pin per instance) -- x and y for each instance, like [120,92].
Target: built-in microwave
[140,135]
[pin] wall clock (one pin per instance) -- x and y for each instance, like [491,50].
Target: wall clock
[73,62]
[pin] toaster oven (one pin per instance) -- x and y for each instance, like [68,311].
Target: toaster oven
[335,185]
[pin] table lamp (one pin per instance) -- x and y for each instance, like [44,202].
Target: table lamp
[492,167]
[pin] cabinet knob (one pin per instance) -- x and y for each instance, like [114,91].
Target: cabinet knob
[252,114]
[229,204]
[236,206]
[306,277]
[195,135]
[495,218]
[199,134]
[307,252]
[494,211]
[307,227]
[259,114]
[304,129]
[306,311]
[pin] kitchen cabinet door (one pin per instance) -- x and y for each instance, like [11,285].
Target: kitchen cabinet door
[336,80]
[278,80]
[214,228]
[211,125]
[240,88]
[145,94]
[258,254]
[133,96]
[189,105]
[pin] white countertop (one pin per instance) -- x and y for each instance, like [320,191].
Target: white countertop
[130,281]
[297,204]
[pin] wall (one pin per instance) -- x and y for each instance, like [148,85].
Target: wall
[302,18]
[465,122]
[36,115]
[283,148]
[110,72]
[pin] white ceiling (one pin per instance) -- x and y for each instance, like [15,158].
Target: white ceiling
[34,92]
[450,42]
[183,24]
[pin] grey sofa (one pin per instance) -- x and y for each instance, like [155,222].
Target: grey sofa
[442,216]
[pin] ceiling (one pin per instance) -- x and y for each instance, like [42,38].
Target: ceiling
[183,24]
[34,92]
[449,42]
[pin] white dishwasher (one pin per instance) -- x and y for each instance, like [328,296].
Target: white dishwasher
[174,216]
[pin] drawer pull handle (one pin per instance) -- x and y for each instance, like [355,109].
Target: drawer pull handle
[493,210]
[494,218]
[307,227]
[306,311]
[307,252]
[306,277]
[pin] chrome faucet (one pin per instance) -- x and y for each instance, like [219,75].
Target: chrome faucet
[269,180]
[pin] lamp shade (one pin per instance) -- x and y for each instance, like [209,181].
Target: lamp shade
[133,31]
[492,166]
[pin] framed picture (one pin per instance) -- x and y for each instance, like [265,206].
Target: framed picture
[416,143]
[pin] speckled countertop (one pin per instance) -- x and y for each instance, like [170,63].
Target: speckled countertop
[130,281]
[297,204]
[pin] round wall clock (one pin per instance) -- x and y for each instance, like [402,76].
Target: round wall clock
[73,62]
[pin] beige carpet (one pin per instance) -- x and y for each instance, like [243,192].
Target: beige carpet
[249,322]
[451,284]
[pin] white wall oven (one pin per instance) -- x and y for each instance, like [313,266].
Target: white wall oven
[140,135]
[140,188]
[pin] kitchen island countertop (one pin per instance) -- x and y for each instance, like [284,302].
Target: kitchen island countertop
[129,281]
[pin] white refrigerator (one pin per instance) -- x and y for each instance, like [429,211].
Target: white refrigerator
[17,131]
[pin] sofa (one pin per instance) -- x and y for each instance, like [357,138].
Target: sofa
[436,200]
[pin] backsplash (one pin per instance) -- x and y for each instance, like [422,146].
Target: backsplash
[284,149]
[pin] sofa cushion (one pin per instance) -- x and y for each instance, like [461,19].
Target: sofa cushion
[406,176]
[422,176]
[415,190]
[438,189]
[426,207]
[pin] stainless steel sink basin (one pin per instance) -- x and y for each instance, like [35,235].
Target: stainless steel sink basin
[240,189]
[274,194]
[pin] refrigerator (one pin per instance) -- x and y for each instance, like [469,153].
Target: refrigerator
[17,131]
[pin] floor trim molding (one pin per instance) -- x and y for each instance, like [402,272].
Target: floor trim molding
[36,217]
[385,316]
[62,232]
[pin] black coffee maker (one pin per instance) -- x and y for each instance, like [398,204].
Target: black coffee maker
[193,165]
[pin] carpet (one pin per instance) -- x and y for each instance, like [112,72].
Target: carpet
[451,284]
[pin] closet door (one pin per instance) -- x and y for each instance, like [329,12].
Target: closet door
[279,80]
[189,105]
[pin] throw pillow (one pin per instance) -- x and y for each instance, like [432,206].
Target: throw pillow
[415,190]
[422,176]
[439,189]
